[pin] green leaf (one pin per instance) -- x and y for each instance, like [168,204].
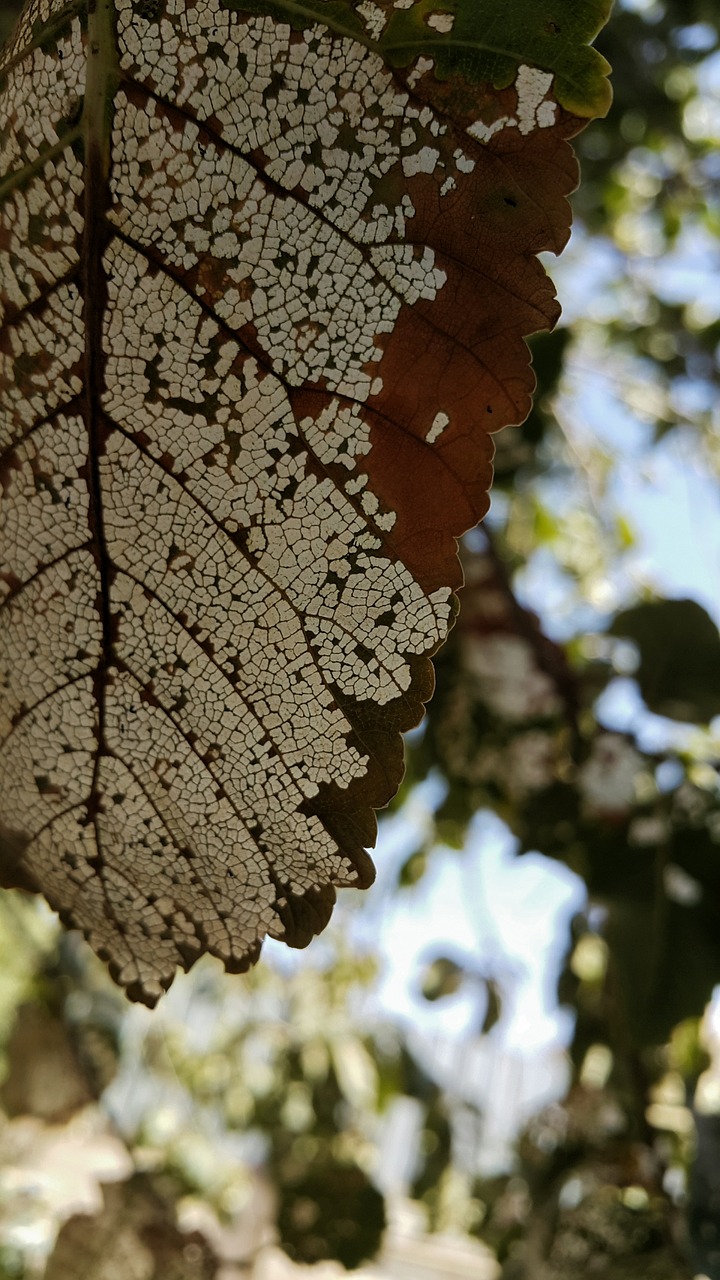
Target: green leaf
[679,645]
[484,41]
[490,40]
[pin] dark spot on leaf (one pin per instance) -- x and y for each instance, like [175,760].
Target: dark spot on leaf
[71,118]
[148,10]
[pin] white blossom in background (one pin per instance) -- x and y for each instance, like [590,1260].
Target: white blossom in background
[530,762]
[649,829]
[607,780]
[510,682]
[680,887]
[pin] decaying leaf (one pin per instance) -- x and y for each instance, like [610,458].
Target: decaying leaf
[265,275]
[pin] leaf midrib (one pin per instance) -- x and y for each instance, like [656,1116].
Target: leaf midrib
[100,88]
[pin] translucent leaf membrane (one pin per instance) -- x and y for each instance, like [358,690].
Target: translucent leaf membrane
[263,301]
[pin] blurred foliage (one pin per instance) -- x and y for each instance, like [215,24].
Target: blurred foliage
[290,1107]
[519,722]
[330,1211]
[134,1236]
[665,632]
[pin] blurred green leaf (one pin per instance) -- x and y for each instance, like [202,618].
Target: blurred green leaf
[330,1211]
[679,646]
[665,965]
[442,977]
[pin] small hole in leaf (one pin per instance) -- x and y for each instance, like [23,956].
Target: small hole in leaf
[511,201]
